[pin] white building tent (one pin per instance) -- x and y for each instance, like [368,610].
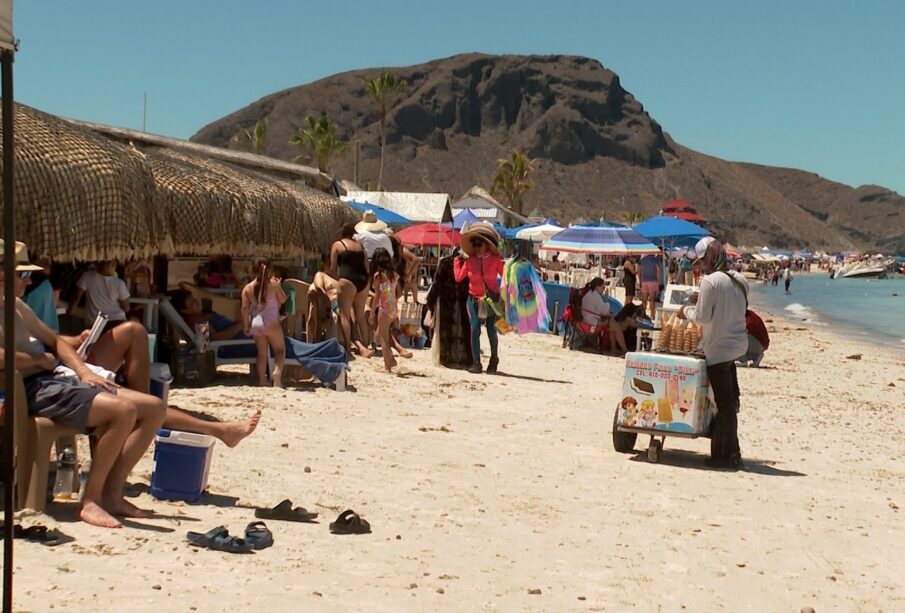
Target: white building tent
[418,207]
[487,208]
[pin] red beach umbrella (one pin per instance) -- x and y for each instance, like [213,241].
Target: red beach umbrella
[429,235]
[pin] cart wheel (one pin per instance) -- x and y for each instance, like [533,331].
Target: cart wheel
[654,450]
[623,442]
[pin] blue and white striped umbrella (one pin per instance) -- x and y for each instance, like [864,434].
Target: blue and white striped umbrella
[601,241]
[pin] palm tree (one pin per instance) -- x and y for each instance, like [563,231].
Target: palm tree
[510,180]
[632,217]
[254,139]
[320,142]
[382,89]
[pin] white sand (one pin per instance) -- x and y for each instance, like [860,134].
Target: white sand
[482,488]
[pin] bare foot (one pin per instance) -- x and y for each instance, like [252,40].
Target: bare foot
[125,508]
[405,353]
[366,352]
[92,513]
[235,431]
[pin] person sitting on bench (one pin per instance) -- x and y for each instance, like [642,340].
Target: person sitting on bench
[128,344]
[125,421]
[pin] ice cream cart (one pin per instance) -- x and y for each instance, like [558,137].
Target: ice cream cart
[662,395]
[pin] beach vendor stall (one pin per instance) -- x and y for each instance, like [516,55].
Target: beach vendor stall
[662,395]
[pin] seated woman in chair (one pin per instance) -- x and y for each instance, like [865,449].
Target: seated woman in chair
[595,308]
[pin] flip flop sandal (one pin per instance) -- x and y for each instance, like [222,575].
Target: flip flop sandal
[349,522]
[219,539]
[258,535]
[285,512]
[37,534]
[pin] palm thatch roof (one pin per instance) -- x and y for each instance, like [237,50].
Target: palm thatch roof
[214,207]
[85,191]
[79,195]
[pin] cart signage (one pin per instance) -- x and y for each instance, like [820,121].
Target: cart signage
[665,392]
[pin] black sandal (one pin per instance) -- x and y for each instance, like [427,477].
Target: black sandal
[285,512]
[349,522]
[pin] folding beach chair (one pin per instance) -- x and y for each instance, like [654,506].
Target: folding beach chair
[175,319]
[579,333]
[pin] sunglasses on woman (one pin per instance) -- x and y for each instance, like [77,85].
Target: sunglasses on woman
[25,274]
[476,242]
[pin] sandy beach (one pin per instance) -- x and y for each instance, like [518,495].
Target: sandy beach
[505,494]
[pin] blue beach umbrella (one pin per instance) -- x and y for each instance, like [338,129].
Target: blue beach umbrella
[385,215]
[671,231]
[601,241]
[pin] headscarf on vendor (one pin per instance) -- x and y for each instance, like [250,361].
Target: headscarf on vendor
[711,254]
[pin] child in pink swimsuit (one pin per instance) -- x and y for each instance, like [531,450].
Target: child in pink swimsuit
[261,300]
[384,306]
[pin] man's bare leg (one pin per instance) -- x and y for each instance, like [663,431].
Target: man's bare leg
[230,432]
[127,343]
[118,420]
[149,416]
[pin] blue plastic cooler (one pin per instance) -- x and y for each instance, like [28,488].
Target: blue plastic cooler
[182,461]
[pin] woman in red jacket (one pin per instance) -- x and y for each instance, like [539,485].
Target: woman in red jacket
[483,269]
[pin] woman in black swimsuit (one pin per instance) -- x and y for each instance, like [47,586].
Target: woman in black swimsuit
[349,261]
[630,278]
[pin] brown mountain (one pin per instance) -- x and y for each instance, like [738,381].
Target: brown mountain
[598,153]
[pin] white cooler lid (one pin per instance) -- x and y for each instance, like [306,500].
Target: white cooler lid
[189,439]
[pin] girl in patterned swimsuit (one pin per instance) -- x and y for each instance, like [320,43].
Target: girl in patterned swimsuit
[384,307]
[261,300]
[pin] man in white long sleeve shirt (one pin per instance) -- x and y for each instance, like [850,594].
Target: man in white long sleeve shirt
[720,308]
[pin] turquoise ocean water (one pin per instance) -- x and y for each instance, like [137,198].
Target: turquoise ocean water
[864,309]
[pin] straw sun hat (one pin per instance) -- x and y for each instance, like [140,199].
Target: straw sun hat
[369,223]
[22,263]
[483,230]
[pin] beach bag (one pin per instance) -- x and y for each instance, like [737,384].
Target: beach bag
[410,314]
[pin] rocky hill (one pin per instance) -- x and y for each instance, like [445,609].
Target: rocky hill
[598,153]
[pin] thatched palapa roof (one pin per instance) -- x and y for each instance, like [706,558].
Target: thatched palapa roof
[85,191]
[215,207]
[79,195]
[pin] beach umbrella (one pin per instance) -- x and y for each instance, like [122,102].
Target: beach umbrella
[601,241]
[671,231]
[463,218]
[429,235]
[385,215]
[538,234]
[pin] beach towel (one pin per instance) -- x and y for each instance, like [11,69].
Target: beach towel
[325,360]
[525,298]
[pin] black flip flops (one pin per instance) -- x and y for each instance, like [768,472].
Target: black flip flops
[219,539]
[284,512]
[36,534]
[349,522]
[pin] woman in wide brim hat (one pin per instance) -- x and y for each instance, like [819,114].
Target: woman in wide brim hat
[480,231]
[483,269]
[370,223]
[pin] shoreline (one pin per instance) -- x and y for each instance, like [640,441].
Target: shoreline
[822,320]
[504,493]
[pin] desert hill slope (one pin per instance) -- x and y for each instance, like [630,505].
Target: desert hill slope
[598,152]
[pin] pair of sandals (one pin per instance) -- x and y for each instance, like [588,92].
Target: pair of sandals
[348,522]
[35,534]
[257,536]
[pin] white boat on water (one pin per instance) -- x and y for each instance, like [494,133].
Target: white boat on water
[872,268]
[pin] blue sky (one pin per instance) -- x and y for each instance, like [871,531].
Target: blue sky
[811,84]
